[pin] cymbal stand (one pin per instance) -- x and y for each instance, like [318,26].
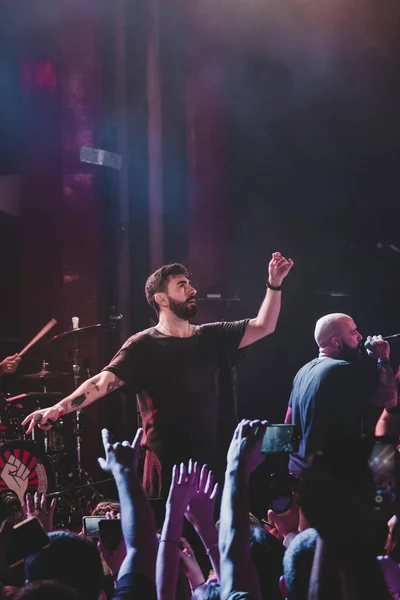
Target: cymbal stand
[76,373]
[45,366]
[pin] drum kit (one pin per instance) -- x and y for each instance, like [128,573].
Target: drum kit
[46,461]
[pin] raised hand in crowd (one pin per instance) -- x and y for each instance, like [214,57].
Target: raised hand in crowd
[137,518]
[244,454]
[36,506]
[9,364]
[183,488]
[200,513]
[191,567]
[238,573]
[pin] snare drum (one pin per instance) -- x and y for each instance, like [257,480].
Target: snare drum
[25,468]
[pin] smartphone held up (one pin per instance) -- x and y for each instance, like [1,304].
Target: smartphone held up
[280,438]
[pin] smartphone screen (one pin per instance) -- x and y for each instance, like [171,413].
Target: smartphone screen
[384,464]
[90,526]
[110,533]
[28,537]
[280,438]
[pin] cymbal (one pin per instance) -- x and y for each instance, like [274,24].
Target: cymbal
[43,374]
[79,331]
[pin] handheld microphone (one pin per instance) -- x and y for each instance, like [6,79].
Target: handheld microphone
[387,338]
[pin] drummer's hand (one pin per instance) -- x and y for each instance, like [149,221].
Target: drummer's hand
[36,506]
[40,418]
[10,364]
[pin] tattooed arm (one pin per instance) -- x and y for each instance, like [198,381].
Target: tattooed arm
[89,391]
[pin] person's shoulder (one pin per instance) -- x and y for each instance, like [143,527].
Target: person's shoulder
[338,363]
[139,338]
[219,326]
[332,366]
[338,370]
[208,327]
[312,364]
[323,367]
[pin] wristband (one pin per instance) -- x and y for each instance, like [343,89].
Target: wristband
[273,287]
[61,410]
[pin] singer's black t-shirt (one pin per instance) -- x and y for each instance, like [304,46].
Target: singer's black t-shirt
[327,401]
[177,385]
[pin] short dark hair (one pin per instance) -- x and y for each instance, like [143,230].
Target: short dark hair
[47,590]
[71,559]
[106,506]
[158,281]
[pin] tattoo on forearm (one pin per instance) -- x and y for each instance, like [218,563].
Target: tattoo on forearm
[78,401]
[97,387]
[113,385]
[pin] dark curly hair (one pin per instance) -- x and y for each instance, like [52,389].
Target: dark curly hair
[158,281]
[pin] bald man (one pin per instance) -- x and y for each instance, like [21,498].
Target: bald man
[329,392]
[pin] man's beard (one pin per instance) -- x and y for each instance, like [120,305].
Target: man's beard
[182,309]
[354,355]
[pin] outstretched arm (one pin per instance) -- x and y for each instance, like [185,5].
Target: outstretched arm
[200,513]
[89,391]
[183,487]
[265,322]
[137,518]
[238,572]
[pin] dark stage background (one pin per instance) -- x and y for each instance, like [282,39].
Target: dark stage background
[245,128]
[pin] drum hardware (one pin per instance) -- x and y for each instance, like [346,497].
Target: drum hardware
[25,468]
[75,501]
[44,374]
[80,331]
[79,487]
[44,459]
[75,333]
[10,507]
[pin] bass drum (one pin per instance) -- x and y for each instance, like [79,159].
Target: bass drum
[24,468]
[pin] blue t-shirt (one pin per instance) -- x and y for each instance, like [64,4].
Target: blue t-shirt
[327,401]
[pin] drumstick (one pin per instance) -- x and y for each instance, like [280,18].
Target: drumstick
[38,336]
